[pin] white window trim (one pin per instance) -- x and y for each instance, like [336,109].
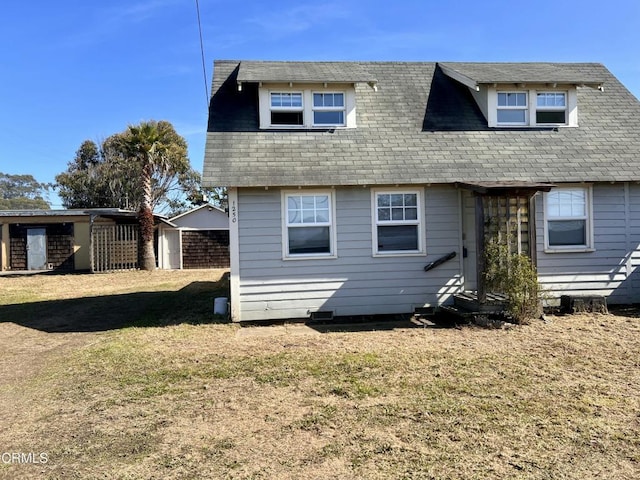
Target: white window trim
[333,253]
[421,252]
[571,107]
[329,109]
[590,246]
[264,105]
[519,107]
[287,109]
[564,109]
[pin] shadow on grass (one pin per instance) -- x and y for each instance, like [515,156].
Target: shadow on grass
[373,323]
[192,304]
[362,323]
[630,310]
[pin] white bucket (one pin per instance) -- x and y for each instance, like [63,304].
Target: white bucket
[220,306]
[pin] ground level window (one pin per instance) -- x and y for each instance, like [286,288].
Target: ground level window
[567,218]
[397,222]
[308,224]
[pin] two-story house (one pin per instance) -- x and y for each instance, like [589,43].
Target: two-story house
[347,179]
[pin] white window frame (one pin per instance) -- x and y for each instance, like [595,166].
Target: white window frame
[564,109]
[419,222]
[526,108]
[307,90]
[571,108]
[588,218]
[286,225]
[286,109]
[342,109]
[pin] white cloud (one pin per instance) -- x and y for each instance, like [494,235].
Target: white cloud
[282,23]
[137,12]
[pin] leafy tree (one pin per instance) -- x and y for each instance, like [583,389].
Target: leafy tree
[107,174]
[217,196]
[22,192]
[198,195]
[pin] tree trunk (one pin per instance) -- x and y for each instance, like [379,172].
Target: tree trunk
[145,217]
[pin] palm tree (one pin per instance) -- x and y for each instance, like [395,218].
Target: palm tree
[158,148]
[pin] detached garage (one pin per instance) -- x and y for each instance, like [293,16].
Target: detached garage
[198,238]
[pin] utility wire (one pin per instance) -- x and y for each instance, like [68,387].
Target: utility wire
[204,70]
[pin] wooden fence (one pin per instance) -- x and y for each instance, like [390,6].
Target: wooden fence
[114,247]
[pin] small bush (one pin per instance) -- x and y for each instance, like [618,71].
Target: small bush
[513,275]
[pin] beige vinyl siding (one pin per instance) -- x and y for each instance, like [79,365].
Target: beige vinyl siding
[610,270]
[354,283]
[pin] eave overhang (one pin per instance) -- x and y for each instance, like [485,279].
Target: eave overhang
[303,73]
[521,79]
[500,188]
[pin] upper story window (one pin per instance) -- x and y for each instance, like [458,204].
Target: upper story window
[309,106]
[287,108]
[532,108]
[568,218]
[512,108]
[328,109]
[551,107]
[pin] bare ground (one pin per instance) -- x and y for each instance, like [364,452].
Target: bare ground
[127,376]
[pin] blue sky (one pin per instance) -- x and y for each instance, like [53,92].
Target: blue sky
[73,70]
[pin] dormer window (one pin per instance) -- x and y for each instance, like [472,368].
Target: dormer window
[512,108]
[532,108]
[287,109]
[328,109]
[307,106]
[551,107]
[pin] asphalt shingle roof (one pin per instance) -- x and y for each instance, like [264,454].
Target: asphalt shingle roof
[422,127]
[563,73]
[335,72]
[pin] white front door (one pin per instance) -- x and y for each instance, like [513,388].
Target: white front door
[172,253]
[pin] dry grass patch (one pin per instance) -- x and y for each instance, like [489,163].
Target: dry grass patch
[194,400]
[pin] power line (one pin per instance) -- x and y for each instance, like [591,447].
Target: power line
[204,70]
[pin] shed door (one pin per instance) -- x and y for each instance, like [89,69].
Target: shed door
[36,249]
[172,250]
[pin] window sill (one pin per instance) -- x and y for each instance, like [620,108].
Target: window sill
[310,257]
[305,127]
[540,126]
[399,254]
[570,250]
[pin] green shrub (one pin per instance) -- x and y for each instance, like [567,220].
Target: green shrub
[513,275]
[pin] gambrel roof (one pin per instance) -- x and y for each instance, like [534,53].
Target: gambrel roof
[419,126]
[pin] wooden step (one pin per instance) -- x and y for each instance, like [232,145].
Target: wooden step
[495,303]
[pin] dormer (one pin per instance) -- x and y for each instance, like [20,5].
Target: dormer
[305,95]
[526,95]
